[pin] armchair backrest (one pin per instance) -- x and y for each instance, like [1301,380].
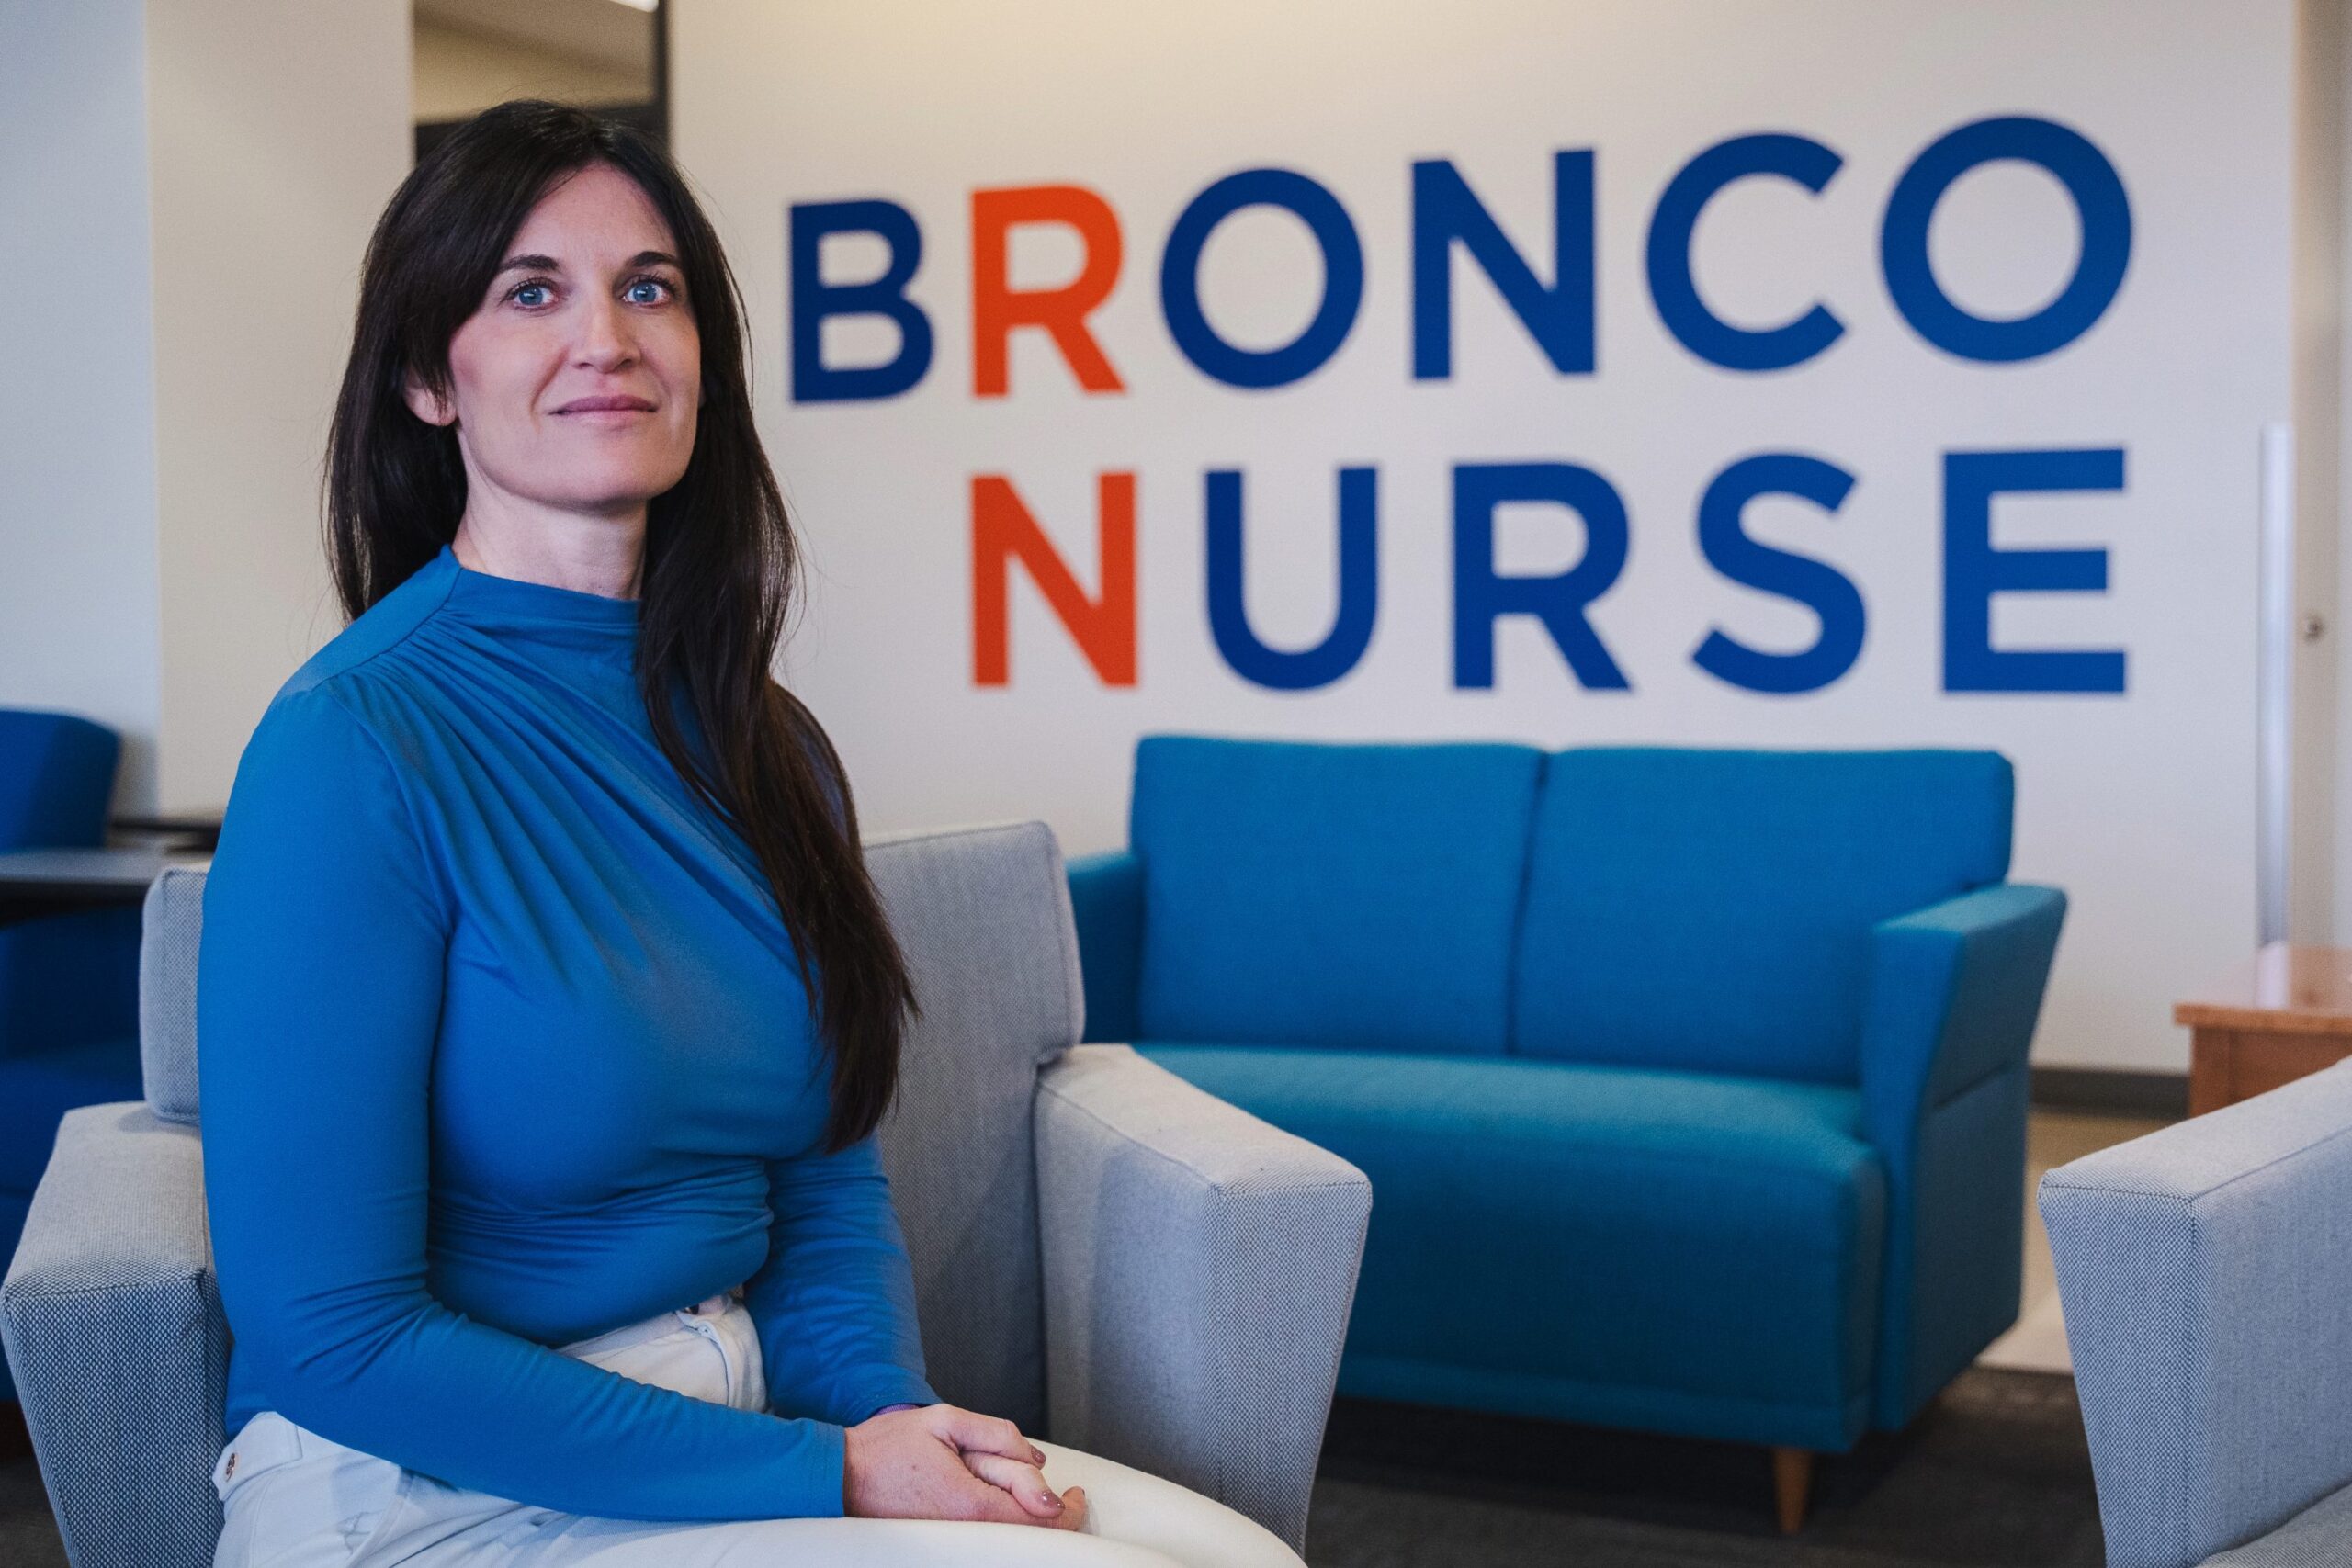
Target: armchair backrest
[56,779]
[1711,910]
[983,916]
[1307,893]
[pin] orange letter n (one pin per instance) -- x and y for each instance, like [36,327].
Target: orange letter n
[998,308]
[1103,628]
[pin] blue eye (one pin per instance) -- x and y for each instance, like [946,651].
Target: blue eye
[522,288]
[652,283]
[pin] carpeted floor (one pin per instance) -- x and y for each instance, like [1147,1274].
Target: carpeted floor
[1994,1476]
[27,1535]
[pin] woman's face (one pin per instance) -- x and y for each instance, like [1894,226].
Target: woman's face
[589,309]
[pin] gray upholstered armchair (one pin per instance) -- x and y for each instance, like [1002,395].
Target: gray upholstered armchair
[1103,1253]
[2206,1271]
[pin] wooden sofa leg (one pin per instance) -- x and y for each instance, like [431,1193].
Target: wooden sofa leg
[1791,1484]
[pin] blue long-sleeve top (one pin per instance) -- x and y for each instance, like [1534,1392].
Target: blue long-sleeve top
[501,1044]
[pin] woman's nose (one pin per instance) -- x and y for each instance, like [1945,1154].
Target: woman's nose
[605,337]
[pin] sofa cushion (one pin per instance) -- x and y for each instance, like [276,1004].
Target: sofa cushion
[1327,894]
[1711,910]
[1668,1251]
[37,1089]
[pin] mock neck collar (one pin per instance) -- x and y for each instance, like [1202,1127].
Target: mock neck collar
[518,602]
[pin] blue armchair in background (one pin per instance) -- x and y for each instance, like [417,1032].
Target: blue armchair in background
[1692,1084]
[69,983]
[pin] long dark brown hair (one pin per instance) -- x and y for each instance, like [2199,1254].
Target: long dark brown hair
[720,562]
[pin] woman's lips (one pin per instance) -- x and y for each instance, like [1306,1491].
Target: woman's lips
[621,402]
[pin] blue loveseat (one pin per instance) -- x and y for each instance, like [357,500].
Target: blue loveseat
[69,983]
[1692,1084]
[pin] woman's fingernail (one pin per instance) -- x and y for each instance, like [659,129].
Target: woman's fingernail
[1036,1455]
[1053,1504]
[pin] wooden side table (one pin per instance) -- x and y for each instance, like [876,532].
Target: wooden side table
[2285,1013]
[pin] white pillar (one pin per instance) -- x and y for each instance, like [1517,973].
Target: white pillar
[189,186]
[77,408]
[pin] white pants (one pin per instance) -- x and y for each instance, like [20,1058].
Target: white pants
[295,1500]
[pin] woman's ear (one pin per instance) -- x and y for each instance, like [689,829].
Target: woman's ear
[423,403]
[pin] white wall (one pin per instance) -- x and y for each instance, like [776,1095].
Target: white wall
[2141,805]
[186,189]
[2324,405]
[77,444]
[2314,879]
[278,131]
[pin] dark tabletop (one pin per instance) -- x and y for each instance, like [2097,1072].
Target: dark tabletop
[48,882]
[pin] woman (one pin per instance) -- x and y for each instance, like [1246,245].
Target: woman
[543,988]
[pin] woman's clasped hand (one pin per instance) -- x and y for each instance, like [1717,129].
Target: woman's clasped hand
[942,1462]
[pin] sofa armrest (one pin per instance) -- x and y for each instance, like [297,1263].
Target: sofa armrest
[1954,990]
[2204,1272]
[1953,993]
[1198,1269]
[113,1324]
[1106,898]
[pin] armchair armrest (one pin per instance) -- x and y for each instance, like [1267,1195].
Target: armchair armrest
[1106,898]
[2204,1274]
[113,1325]
[1953,993]
[1199,1269]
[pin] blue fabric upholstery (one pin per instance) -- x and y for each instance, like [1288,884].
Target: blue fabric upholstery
[36,1091]
[1106,897]
[1323,894]
[1712,910]
[1805,968]
[69,983]
[1953,995]
[1740,1219]
[67,978]
[59,779]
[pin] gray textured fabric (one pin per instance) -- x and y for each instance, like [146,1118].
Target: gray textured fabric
[2319,1537]
[983,916]
[173,924]
[1199,1265]
[2206,1272]
[114,1326]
